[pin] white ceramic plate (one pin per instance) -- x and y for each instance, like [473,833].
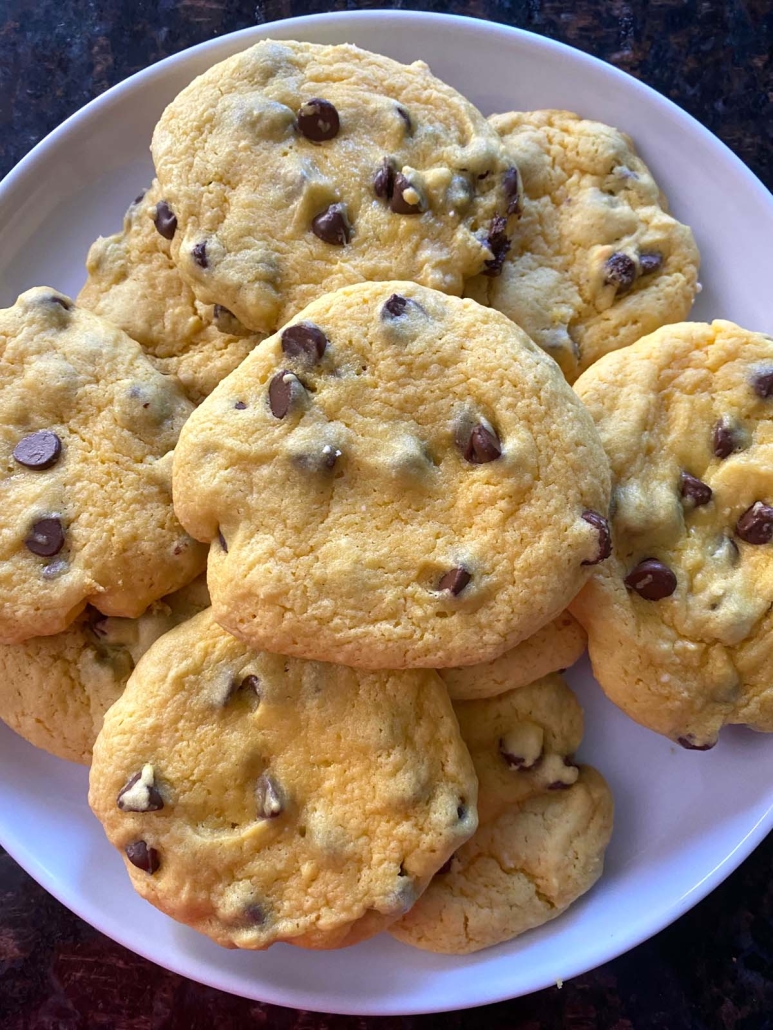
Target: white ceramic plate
[684,820]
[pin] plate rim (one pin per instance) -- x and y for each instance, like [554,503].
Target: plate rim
[602,951]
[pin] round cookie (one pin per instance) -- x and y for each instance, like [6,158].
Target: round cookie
[597,261]
[133,282]
[54,691]
[87,427]
[260,798]
[680,620]
[545,824]
[396,479]
[551,649]
[294,168]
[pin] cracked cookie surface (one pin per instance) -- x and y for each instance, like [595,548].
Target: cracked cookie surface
[398,478]
[260,798]
[679,621]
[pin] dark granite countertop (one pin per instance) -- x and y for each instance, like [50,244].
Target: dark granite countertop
[714,967]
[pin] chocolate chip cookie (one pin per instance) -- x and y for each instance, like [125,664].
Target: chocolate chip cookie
[680,620]
[545,825]
[292,169]
[260,798]
[597,261]
[398,478]
[133,282]
[87,428]
[54,691]
[551,649]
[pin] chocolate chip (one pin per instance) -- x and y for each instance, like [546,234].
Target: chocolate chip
[304,340]
[384,179]
[139,197]
[462,810]
[398,202]
[39,450]
[405,117]
[240,405]
[332,225]
[498,242]
[142,798]
[755,526]
[762,383]
[724,439]
[605,537]
[689,744]
[255,914]
[620,272]
[283,390]
[512,193]
[482,445]
[330,456]
[165,221]
[199,253]
[650,261]
[268,798]
[694,490]
[221,541]
[515,761]
[318,120]
[54,569]
[454,581]
[394,307]
[245,685]
[652,580]
[559,785]
[252,683]
[227,322]
[143,857]
[46,537]
[63,302]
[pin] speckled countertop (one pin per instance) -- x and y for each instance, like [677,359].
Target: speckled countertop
[714,967]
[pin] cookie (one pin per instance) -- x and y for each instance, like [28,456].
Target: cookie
[292,169]
[545,825]
[87,429]
[260,798]
[551,649]
[54,691]
[680,620]
[396,479]
[597,261]
[133,282]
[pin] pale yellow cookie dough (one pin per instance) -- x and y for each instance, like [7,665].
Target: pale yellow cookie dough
[684,645]
[295,168]
[260,798]
[551,649]
[133,282]
[87,429]
[398,478]
[54,691]
[597,261]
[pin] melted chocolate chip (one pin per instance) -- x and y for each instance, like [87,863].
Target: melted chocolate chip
[601,526]
[305,340]
[482,446]
[512,193]
[46,537]
[249,685]
[268,798]
[498,242]
[398,202]
[516,761]
[148,798]
[394,307]
[620,272]
[63,302]
[454,581]
[755,526]
[240,405]
[318,120]
[462,810]
[762,383]
[332,226]
[143,857]
[39,450]
[221,541]
[652,580]
[283,390]
[384,179]
[199,253]
[405,117]
[255,915]
[650,261]
[689,744]
[165,220]
[724,439]
[694,490]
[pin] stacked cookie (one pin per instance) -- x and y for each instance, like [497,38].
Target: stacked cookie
[377,299]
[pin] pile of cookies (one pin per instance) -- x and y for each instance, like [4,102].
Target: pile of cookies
[329,357]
